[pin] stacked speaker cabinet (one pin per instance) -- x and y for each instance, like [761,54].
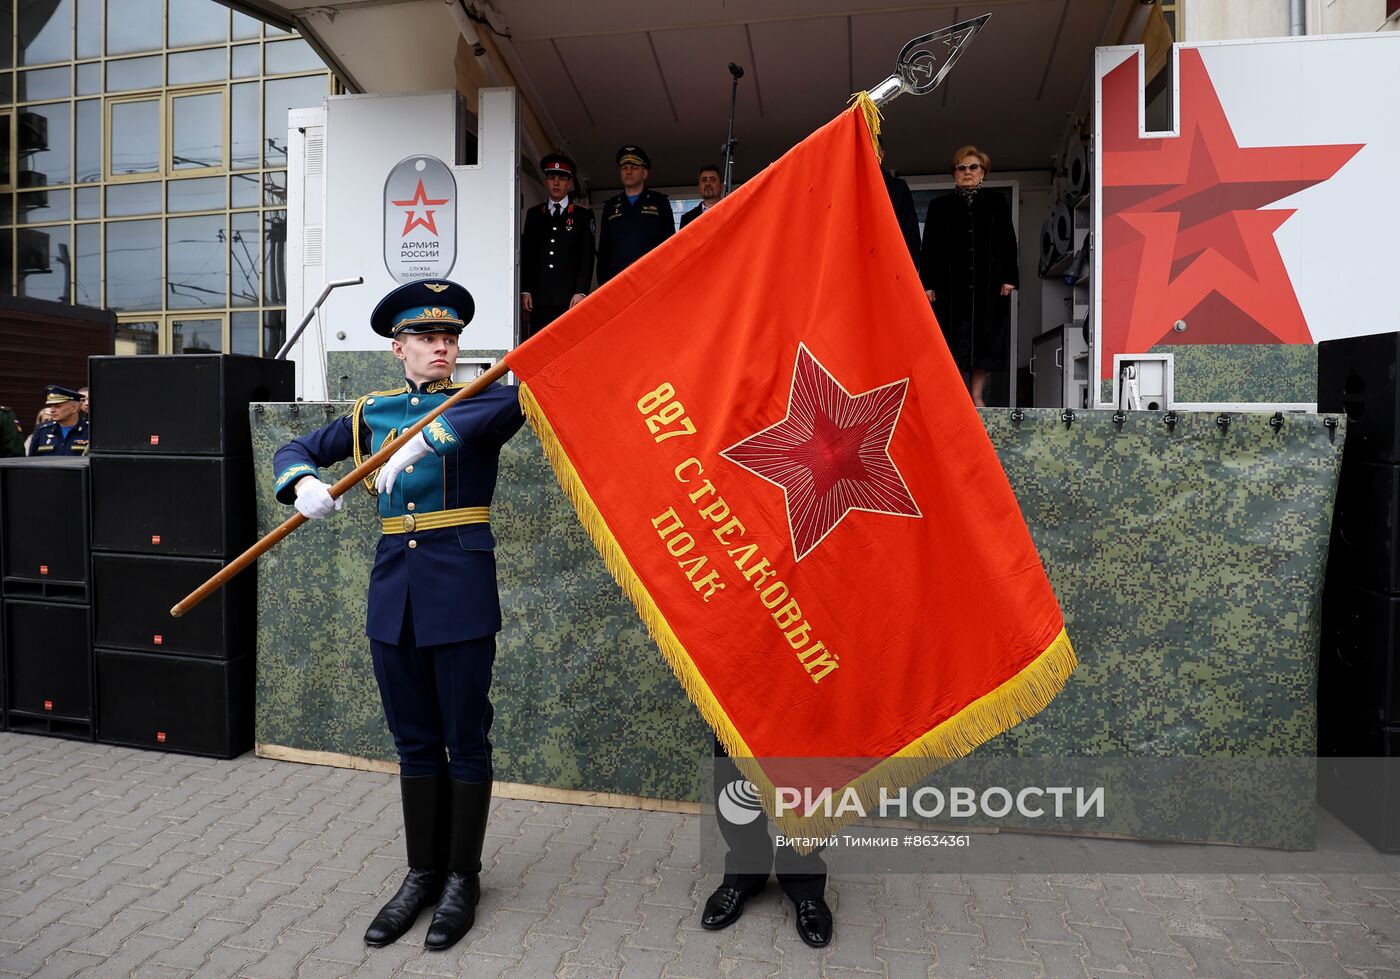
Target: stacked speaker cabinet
[46,683]
[173,501]
[1359,665]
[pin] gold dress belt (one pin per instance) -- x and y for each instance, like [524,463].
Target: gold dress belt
[438,518]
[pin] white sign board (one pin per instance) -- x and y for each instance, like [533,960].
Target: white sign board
[374,191]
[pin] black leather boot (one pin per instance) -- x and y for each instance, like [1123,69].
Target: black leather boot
[456,910]
[424,830]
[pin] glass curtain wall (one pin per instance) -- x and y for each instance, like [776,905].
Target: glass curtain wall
[143,166]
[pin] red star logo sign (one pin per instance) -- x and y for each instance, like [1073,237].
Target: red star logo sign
[830,454]
[419,202]
[1185,233]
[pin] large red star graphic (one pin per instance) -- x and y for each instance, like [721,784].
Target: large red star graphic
[830,454]
[1184,233]
[419,202]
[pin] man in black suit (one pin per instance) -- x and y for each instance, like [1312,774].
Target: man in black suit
[711,190]
[556,250]
[751,856]
[902,200]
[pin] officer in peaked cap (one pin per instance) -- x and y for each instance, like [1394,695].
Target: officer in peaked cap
[636,220]
[556,249]
[67,433]
[433,606]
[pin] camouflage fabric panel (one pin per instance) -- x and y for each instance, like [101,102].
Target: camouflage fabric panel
[1188,562]
[1237,373]
[351,373]
[1243,372]
[582,698]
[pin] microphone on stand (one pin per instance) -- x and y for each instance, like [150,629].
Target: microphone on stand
[730,142]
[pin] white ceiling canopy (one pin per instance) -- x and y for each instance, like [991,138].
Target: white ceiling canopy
[602,74]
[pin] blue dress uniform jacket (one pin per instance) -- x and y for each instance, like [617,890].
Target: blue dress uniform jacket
[49,439]
[631,230]
[445,577]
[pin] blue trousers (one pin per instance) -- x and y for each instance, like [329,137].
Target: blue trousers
[436,700]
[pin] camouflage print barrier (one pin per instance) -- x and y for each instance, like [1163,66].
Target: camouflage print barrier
[1238,373]
[1188,559]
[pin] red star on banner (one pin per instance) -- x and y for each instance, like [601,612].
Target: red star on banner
[830,454]
[1184,233]
[419,202]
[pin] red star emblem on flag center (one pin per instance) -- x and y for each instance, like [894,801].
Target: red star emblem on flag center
[830,454]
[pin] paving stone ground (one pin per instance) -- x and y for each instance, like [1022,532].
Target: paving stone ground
[116,862]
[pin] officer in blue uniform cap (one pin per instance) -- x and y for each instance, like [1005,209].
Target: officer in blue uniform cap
[67,434]
[636,220]
[433,606]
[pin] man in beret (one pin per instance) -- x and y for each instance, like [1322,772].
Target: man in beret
[66,434]
[556,250]
[636,220]
[711,187]
[433,605]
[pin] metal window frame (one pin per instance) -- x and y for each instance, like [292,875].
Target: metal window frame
[108,103]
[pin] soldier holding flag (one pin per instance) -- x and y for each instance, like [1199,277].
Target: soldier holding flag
[433,606]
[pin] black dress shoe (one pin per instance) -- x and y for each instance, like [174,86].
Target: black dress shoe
[419,890]
[814,922]
[724,907]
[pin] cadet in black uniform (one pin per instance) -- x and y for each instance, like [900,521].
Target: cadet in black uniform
[556,250]
[636,220]
[67,434]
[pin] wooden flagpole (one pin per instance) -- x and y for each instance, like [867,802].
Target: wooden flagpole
[342,486]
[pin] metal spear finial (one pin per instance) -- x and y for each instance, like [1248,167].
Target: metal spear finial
[925,61]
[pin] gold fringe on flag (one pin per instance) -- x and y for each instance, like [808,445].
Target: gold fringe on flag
[871,112]
[1018,698]
[675,654]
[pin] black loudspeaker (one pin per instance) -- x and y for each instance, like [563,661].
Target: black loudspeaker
[1366,527]
[189,404]
[132,595]
[187,506]
[48,668]
[1358,672]
[1357,375]
[44,541]
[4,672]
[175,703]
[1358,780]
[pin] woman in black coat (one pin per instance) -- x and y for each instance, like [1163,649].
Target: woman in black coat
[968,268]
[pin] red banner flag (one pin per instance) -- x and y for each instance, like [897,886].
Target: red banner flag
[764,433]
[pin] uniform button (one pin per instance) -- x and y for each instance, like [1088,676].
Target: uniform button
[369,401]
[413,543]
[551,266]
[551,253]
[413,401]
[408,469]
[411,506]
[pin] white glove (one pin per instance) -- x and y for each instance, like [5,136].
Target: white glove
[416,448]
[314,499]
